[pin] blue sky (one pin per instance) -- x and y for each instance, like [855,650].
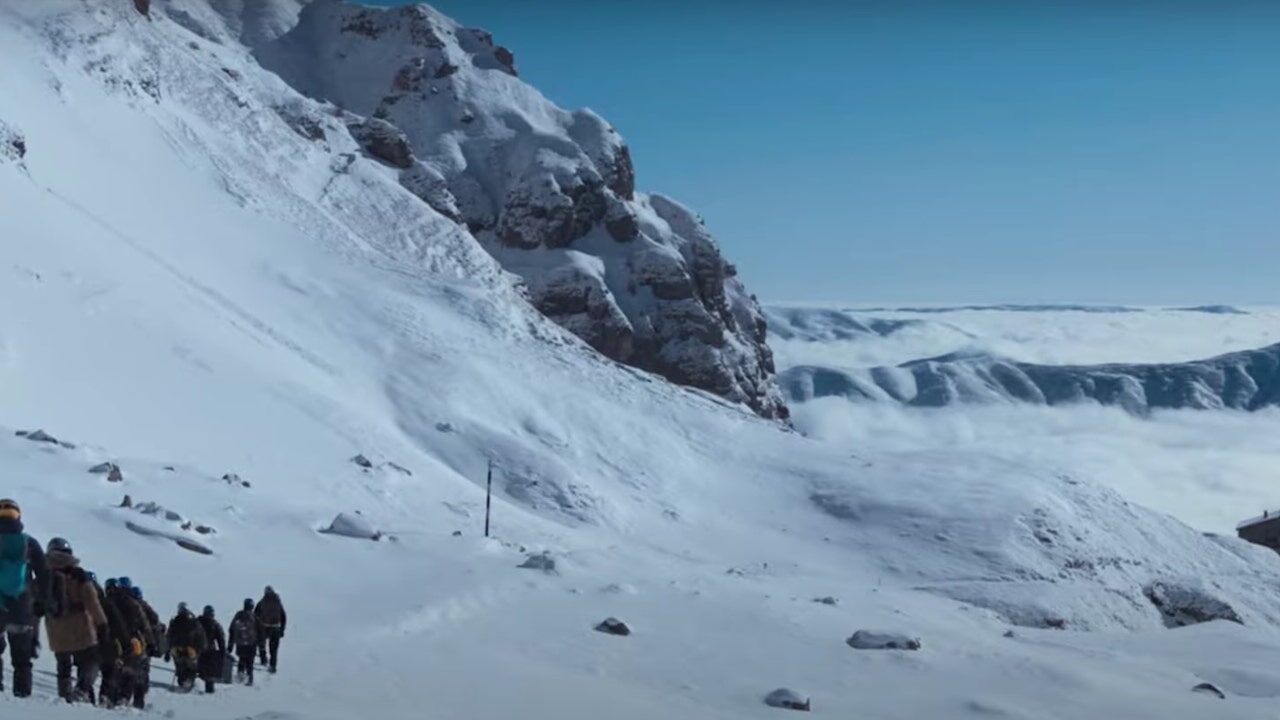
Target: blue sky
[973,151]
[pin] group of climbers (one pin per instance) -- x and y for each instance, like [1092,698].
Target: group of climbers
[110,632]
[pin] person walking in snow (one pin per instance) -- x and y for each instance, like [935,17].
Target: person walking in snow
[215,652]
[134,663]
[24,594]
[75,623]
[271,624]
[154,649]
[109,646]
[243,636]
[186,643]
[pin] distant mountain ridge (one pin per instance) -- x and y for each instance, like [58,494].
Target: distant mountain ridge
[1247,380]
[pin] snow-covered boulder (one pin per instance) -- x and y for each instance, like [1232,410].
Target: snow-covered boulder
[877,640]
[788,699]
[549,192]
[352,525]
[540,561]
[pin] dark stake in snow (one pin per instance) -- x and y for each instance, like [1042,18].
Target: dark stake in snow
[788,699]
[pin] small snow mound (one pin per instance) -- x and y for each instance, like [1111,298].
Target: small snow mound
[1182,604]
[618,589]
[1209,689]
[540,561]
[875,640]
[613,626]
[787,699]
[352,525]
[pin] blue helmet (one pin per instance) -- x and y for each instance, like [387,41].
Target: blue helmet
[136,592]
[112,583]
[126,583]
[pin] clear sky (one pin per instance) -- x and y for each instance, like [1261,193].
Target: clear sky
[1027,151]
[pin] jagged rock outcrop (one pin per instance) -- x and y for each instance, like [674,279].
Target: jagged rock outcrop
[13,145]
[1248,380]
[550,193]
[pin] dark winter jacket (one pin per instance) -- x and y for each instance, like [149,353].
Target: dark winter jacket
[157,629]
[243,630]
[35,597]
[111,646]
[186,634]
[214,636]
[270,612]
[137,626]
[74,612]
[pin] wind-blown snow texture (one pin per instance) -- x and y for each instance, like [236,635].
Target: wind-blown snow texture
[206,273]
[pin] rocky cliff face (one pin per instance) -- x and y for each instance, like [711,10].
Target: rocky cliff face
[1248,380]
[550,193]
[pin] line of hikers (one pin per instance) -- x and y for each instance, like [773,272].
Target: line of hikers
[111,630]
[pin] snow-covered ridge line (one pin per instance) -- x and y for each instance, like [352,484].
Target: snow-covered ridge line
[1247,380]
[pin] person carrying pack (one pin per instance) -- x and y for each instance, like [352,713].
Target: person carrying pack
[24,594]
[134,662]
[157,647]
[215,652]
[271,624]
[109,646]
[75,622]
[186,642]
[244,638]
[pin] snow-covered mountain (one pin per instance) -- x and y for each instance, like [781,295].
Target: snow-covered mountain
[1247,380]
[209,271]
[548,192]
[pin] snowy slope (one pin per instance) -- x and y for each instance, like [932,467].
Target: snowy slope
[194,281]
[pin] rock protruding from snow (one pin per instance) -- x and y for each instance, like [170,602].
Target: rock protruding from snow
[13,145]
[1209,689]
[788,699]
[104,468]
[352,525]
[1186,603]
[362,461]
[540,561]
[550,193]
[613,626]
[876,640]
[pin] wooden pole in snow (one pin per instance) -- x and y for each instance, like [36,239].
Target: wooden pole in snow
[488,498]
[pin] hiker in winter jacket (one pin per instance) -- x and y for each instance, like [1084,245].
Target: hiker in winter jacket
[215,653]
[75,622]
[243,636]
[142,679]
[24,595]
[109,644]
[271,623]
[134,663]
[186,642]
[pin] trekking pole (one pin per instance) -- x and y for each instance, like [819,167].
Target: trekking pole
[488,498]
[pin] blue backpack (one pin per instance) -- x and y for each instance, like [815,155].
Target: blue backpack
[13,564]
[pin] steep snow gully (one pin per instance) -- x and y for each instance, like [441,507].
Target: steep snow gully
[246,242]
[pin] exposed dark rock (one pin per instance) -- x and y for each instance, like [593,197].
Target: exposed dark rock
[445,70]
[874,640]
[114,475]
[362,461]
[384,141]
[103,468]
[613,626]
[234,479]
[828,600]
[1210,689]
[506,59]
[788,699]
[143,6]
[1182,604]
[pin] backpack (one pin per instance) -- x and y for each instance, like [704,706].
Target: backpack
[65,601]
[13,564]
[269,611]
[243,630]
